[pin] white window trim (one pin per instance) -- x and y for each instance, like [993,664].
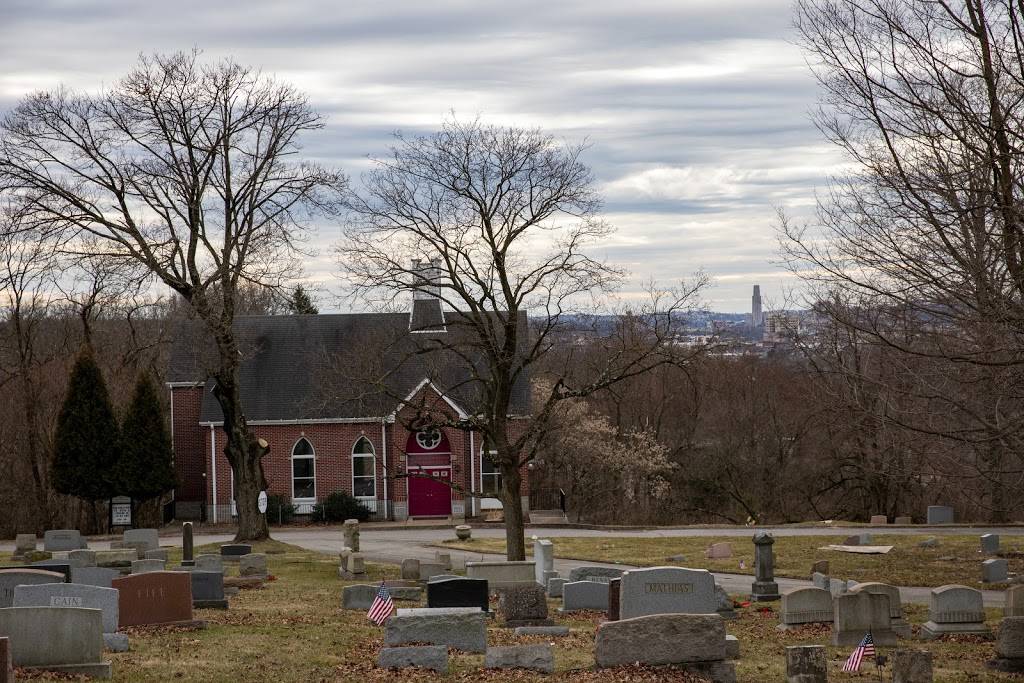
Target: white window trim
[373,455]
[291,464]
[487,503]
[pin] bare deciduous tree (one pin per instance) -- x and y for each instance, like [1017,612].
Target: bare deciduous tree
[508,219]
[191,170]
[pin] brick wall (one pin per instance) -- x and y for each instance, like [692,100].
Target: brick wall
[187,442]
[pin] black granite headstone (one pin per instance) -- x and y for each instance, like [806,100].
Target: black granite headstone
[235,550]
[457,593]
[208,589]
[61,566]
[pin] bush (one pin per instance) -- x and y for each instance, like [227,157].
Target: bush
[338,507]
[279,510]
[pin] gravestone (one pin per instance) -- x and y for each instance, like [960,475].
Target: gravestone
[161,554]
[458,592]
[855,614]
[356,565]
[547,631]
[208,590]
[209,563]
[6,668]
[63,539]
[577,595]
[359,596]
[10,578]
[116,558]
[692,642]
[764,587]
[1010,646]
[718,551]
[75,595]
[94,576]
[410,569]
[67,640]
[806,664]
[1014,604]
[990,544]
[155,598]
[614,599]
[24,543]
[59,566]
[666,590]
[501,575]
[187,545]
[138,547]
[905,521]
[524,605]
[460,628]
[350,531]
[726,609]
[955,609]
[445,559]
[149,538]
[429,569]
[851,540]
[805,606]
[879,520]
[443,577]
[821,581]
[255,564]
[994,571]
[433,657]
[819,567]
[599,574]
[82,558]
[911,666]
[940,514]
[144,566]
[529,657]
[230,552]
[899,622]
[556,586]
[544,559]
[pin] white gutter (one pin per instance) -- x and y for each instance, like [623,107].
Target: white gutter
[213,467]
[301,421]
[472,475]
[172,385]
[384,455]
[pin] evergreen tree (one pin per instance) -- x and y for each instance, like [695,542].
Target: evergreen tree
[301,303]
[87,446]
[146,469]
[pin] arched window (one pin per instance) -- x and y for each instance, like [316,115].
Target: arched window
[364,469]
[303,471]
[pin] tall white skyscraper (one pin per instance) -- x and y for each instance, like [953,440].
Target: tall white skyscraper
[756,315]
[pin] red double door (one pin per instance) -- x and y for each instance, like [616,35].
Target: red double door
[430,494]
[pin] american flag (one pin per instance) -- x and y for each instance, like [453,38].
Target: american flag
[382,606]
[865,649]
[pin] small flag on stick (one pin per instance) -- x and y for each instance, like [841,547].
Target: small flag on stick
[865,649]
[382,606]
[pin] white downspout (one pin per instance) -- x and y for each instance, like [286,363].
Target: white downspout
[472,475]
[384,454]
[213,468]
[174,491]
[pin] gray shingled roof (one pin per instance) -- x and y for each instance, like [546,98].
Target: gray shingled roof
[299,367]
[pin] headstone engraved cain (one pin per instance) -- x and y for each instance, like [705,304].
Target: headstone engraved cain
[65,601]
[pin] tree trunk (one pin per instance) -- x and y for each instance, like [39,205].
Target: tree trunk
[515,543]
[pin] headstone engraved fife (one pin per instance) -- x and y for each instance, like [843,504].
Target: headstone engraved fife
[155,598]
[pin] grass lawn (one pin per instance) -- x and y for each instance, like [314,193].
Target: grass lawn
[293,630]
[904,565]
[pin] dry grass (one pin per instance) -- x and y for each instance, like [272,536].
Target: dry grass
[292,630]
[905,565]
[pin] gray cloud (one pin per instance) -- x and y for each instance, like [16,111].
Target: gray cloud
[695,109]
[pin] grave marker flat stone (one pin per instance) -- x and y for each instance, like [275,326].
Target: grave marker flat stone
[805,606]
[940,514]
[458,592]
[577,595]
[911,666]
[806,664]
[254,564]
[501,575]
[599,574]
[898,621]
[551,631]
[955,609]
[154,598]
[11,578]
[94,576]
[994,571]
[544,559]
[116,558]
[666,590]
[149,538]
[990,544]
[230,552]
[144,566]
[858,613]
[1014,604]
[524,605]
[461,629]
[530,657]
[208,589]
[433,657]
[63,539]
[67,640]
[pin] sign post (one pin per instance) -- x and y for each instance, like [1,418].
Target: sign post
[262,502]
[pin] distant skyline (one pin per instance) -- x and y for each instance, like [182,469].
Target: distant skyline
[696,111]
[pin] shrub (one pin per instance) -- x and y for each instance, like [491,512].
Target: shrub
[279,510]
[338,507]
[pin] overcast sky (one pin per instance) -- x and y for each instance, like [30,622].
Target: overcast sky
[696,110]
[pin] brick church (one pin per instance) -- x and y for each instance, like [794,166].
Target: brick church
[335,396]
